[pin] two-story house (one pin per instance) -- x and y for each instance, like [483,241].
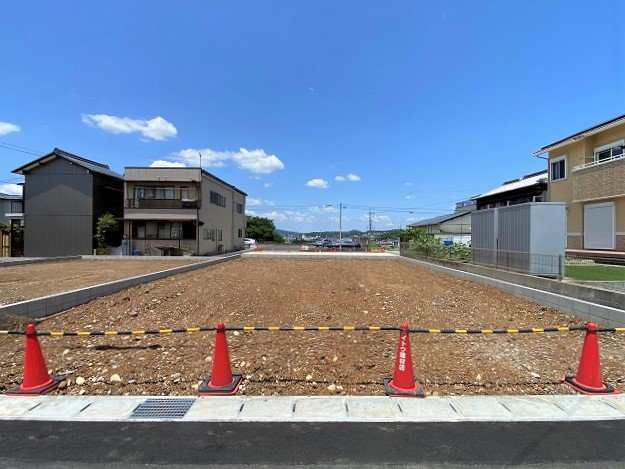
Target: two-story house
[64,195]
[587,171]
[11,210]
[181,211]
[12,219]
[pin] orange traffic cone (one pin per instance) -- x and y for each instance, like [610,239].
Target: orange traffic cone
[36,378]
[588,379]
[221,382]
[403,383]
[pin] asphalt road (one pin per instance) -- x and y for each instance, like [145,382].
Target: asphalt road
[26,444]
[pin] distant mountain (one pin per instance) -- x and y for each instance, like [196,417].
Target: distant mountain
[288,234]
[385,234]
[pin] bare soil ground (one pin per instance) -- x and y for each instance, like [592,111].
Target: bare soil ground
[28,281]
[312,292]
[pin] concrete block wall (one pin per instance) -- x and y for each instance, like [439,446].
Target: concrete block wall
[587,310]
[48,305]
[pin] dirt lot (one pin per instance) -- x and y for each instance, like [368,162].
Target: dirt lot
[28,281]
[313,292]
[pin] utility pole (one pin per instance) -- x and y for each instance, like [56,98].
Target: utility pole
[370,222]
[340,225]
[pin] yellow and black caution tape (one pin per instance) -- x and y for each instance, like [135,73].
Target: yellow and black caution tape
[418,330]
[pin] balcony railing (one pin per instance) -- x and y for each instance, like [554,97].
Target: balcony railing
[593,163]
[161,203]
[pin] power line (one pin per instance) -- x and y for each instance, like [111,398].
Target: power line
[29,151]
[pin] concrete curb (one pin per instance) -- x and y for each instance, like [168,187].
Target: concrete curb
[48,305]
[605,315]
[320,255]
[591,294]
[36,260]
[561,408]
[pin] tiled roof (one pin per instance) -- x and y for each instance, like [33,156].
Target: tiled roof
[525,181]
[439,219]
[4,196]
[584,133]
[90,165]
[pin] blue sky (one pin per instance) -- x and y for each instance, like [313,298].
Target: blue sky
[414,104]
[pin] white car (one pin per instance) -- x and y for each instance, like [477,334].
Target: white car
[250,243]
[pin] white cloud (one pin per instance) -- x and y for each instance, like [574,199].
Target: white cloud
[410,197]
[268,184]
[256,161]
[253,202]
[379,219]
[7,128]
[318,183]
[289,216]
[407,183]
[350,177]
[323,208]
[12,189]
[154,129]
[167,164]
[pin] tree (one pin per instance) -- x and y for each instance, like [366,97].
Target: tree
[107,233]
[262,229]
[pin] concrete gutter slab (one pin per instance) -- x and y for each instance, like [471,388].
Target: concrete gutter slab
[103,407]
[325,409]
[14,406]
[215,408]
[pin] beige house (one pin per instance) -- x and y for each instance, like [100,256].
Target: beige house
[186,211]
[587,171]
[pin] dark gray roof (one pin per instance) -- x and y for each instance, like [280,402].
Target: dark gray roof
[439,219]
[90,165]
[4,196]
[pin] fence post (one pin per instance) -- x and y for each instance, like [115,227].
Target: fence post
[560,267]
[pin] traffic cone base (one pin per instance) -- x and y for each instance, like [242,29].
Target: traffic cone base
[45,388]
[416,391]
[207,389]
[403,383]
[588,379]
[605,389]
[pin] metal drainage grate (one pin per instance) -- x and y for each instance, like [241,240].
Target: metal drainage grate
[168,408]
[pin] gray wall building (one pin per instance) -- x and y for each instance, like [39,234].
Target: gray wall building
[64,195]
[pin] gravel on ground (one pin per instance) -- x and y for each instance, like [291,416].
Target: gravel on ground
[28,281]
[317,292]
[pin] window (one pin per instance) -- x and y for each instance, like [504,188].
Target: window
[16,207]
[207,233]
[240,233]
[163,230]
[218,199]
[238,207]
[184,193]
[558,168]
[151,229]
[168,193]
[219,235]
[611,150]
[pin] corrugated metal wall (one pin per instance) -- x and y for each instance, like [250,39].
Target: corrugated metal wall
[514,228]
[58,210]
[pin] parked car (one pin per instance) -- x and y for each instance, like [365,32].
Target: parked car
[250,243]
[345,245]
[324,242]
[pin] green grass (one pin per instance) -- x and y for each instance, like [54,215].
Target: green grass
[595,272]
